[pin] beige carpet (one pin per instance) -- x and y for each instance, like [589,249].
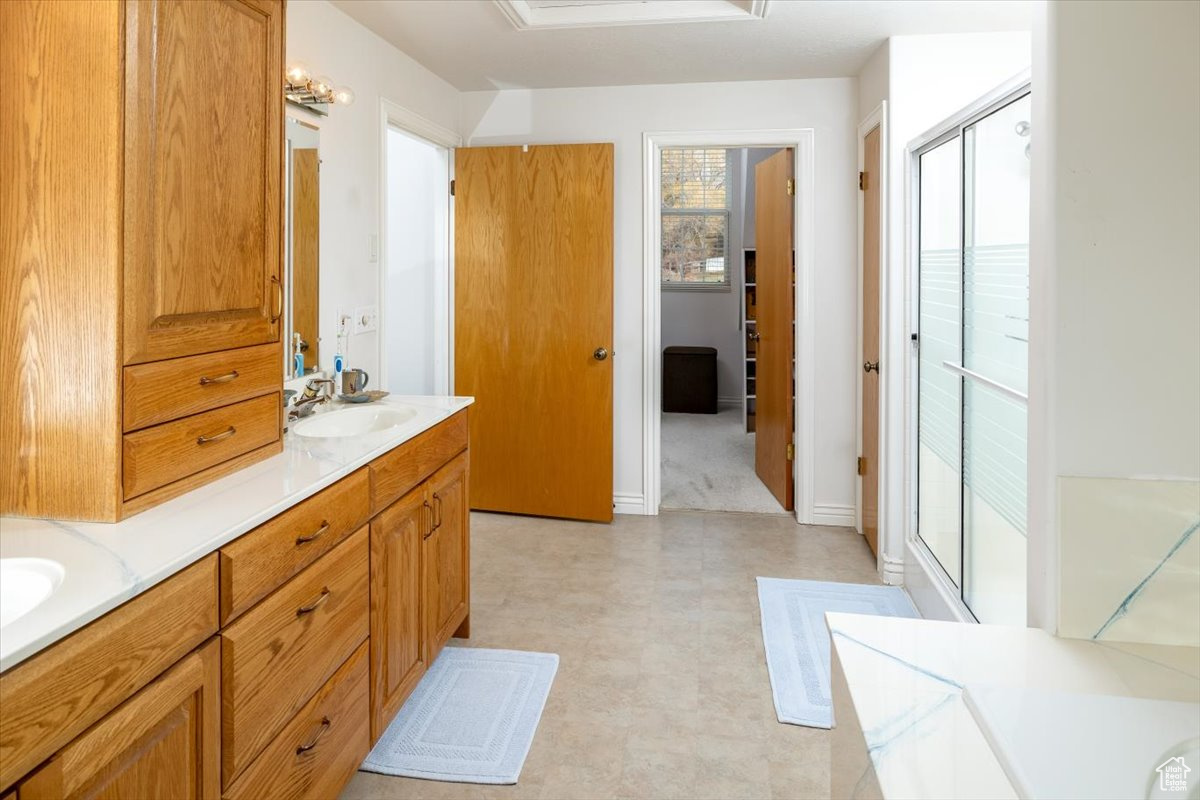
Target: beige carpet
[708,465]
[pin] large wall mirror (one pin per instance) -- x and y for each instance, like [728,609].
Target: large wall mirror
[302,250]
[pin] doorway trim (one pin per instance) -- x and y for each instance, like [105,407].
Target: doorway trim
[890,565]
[393,115]
[802,141]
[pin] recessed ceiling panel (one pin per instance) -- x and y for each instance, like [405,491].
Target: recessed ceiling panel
[542,14]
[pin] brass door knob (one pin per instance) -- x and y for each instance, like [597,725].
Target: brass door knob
[752,336]
[600,353]
[871,366]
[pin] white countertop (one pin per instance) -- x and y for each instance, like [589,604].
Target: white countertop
[907,678]
[106,564]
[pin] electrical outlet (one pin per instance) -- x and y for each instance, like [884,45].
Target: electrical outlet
[366,319]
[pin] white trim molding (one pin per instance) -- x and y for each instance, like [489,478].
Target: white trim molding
[528,17]
[836,515]
[629,504]
[803,144]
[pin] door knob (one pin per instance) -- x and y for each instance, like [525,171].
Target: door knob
[600,354]
[871,366]
[752,336]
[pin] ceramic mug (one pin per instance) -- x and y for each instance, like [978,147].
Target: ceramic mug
[354,381]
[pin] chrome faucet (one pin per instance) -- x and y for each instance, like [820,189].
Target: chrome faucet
[312,396]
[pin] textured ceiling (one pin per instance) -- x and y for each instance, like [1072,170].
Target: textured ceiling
[473,46]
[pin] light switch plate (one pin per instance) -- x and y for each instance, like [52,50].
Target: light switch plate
[373,248]
[366,319]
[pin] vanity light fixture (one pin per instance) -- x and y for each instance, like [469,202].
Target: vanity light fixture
[316,93]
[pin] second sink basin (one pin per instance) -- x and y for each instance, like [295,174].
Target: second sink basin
[354,421]
[26,583]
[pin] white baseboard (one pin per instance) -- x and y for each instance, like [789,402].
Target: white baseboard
[833,515]
[629,504]
[891,570]
[730,402]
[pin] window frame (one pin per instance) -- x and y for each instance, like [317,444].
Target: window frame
[725,285]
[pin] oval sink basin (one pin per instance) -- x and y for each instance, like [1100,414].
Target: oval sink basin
[26,583]
[354,421]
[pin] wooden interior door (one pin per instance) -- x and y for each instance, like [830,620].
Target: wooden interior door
[447,558]
[162,742]
[397,611]
[533,326]
[868,465]
[202,177]
[306,239]
[774,383]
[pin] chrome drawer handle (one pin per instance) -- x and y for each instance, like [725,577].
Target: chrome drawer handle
[325,726]
[314,605]
[317,534]
[216,437]
[226,378]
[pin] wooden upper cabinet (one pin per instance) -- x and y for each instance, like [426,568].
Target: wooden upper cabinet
[162,742]
[203,170]
[446,560]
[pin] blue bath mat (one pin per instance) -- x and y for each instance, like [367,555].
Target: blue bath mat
[797,641]
[471,719]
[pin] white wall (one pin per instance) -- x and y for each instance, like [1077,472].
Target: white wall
[333,44]
[928,79]
[1115,334]
[621,115]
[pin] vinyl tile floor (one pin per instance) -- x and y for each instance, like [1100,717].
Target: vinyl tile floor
[662,687]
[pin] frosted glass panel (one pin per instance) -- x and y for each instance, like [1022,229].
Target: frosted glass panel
[996,345]
[939,469]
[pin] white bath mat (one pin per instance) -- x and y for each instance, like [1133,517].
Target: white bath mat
[797,641]
[471,719]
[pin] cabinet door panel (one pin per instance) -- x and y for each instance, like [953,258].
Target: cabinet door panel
[446,556]
[397,626]
[202,176]
[162,742]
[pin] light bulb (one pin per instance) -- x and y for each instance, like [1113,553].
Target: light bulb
[322,88]
[297,74]
[344,96]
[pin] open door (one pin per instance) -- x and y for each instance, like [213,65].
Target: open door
[533,310]
[868,462]
[774,196]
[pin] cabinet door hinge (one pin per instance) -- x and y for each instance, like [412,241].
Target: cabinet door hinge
[452,188]
[862,466]
[791,187]
[791,452]
[862,181]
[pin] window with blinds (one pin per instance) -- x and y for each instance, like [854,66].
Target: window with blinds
[695,217]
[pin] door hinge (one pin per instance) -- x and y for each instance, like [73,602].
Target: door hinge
[791,187]
[862,466]
[862,181]
[791,452]
[452,188]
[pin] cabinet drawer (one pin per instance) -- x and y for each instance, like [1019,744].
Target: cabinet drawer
[393,474]
[157,456]
[255,564]
[165,390]
[277,654]
[48,700]
[319,750]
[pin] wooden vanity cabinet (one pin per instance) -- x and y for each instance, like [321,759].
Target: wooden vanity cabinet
[146,252]
[161,743]
[446,557]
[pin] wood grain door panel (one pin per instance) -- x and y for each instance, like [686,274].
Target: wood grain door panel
[446,559]
[774,385]
[870,334]
[161,743]
[397,611]
[533,301]
[202,176]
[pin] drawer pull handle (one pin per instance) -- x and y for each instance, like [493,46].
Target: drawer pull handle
[314,605]
[226,378]
[216,437]
[427,510]
[325,726]
[278,299]
[317,534]
[437,508]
